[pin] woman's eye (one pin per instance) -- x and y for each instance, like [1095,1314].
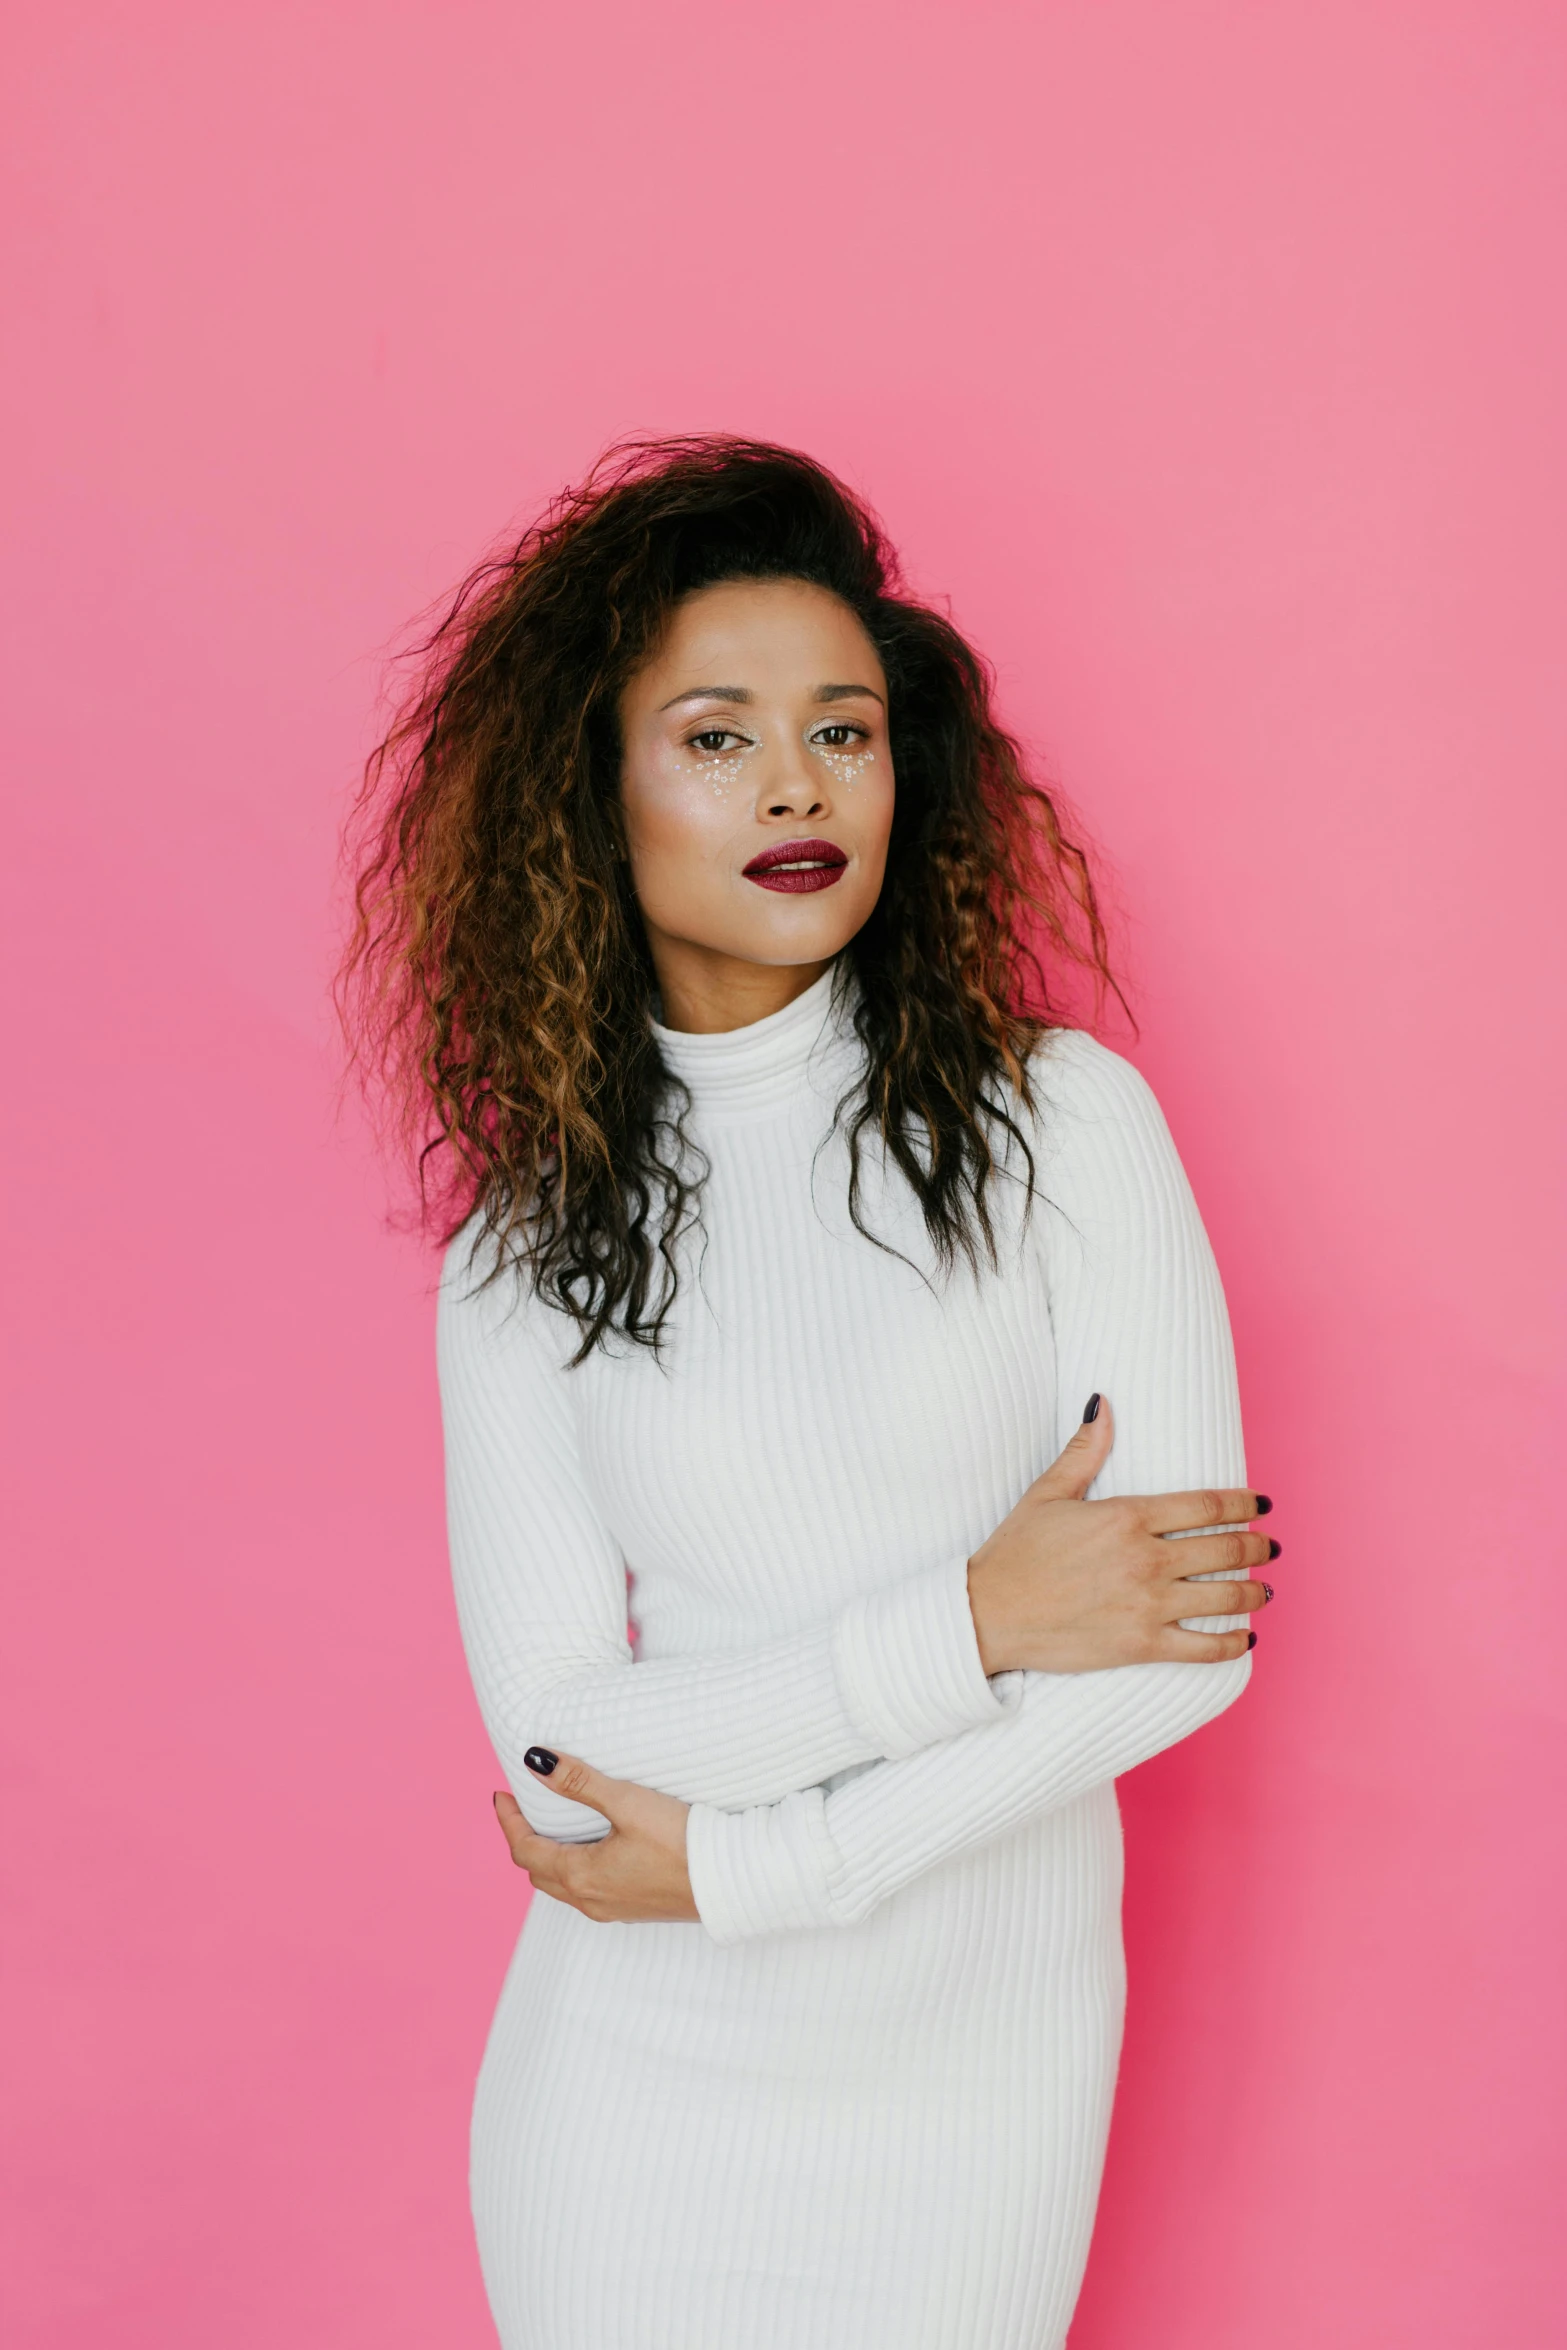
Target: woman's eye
[715,738]
[839,738]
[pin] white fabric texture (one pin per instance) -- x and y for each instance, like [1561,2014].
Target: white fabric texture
[863,2104]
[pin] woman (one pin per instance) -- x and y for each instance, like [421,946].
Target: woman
[794,1246]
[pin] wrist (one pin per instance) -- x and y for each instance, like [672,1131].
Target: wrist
[907,1663]
[989,1635]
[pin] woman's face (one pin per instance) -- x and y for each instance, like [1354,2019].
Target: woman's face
[757,783]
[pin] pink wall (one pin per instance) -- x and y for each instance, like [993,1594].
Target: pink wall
[1211,358]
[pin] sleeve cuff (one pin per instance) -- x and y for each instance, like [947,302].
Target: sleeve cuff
[908,1663]
[770,1870]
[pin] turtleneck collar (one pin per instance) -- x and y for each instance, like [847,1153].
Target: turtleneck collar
[751,1072]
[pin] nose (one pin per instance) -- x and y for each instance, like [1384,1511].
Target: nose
[791,786]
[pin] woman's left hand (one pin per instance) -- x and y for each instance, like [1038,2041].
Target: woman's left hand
[637,1872]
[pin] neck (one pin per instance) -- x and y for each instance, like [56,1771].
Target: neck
[704,993]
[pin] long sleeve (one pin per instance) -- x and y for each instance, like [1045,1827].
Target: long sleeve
[542,1603]
[1137,1312]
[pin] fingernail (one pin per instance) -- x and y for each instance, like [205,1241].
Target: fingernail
[1274,1548]
[1251,1639]
[496,1799]
[1091,1409]
[1268,1588]
[540,1759]
[1263,1506]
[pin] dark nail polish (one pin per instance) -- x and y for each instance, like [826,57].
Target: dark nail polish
[1251,1639]
[1263,1506]
[1091,1410]
[540,1759]
[1268,1588]
[1275,1549]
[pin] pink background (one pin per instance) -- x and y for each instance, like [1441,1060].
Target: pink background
[1210,357]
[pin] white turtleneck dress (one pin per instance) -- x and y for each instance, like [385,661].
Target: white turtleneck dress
[862,2105]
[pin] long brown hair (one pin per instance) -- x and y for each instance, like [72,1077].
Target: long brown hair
[498,985]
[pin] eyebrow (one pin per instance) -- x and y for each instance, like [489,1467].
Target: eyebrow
[709,693]
[741,693]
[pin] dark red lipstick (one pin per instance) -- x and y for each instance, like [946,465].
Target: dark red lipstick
[797,865]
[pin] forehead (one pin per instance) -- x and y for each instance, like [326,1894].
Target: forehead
[769,636]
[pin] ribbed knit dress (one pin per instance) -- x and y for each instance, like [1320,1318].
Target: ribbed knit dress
[863,2104]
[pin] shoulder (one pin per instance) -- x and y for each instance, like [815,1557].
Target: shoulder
[486,1308]
[1102,1146]
[467,1262]
[1080,1085]
[469,1275]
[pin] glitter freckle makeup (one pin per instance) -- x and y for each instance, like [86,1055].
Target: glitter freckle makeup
[720,770]
[726,771]
[848,766]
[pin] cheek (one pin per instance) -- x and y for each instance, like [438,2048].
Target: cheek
[677,827]
[851,770]
[872,796]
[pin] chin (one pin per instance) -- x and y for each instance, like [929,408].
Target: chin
[789,942]
[805,929]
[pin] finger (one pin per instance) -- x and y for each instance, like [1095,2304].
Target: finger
[1173,1513]
[528,1849]
[1082,1457]
[569,1775]
[1206,1648]
[1217,1599]
[1219,1554]
[550,1865]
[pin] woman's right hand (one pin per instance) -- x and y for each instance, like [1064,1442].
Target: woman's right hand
[1066,1585]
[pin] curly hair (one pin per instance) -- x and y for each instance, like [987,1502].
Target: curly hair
[498,987]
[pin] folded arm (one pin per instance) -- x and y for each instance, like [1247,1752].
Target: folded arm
[542,1602]
[1137,1312]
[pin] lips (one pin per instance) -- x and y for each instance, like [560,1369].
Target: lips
[797,866]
